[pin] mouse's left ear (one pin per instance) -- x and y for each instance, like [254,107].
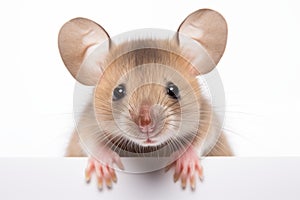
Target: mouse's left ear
[208,28]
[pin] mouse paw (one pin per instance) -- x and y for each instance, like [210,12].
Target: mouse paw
[104,171]
[187,168]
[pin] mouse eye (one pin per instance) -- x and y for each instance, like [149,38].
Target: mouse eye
[119,92]
[172,90]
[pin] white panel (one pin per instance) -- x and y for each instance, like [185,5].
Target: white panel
[225,178]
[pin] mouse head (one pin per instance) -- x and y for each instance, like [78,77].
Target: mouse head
[146,93]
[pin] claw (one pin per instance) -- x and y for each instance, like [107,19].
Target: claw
[176,177]
[183,183]
[88,171]
[113,176]
[108,183]
[184,176]
[192,182]
[100,184]
[200,172]
[87,176]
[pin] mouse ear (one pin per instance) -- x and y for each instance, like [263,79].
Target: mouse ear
[208,28]
[76,40]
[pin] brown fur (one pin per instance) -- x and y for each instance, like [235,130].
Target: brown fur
[221,148]
[74,148]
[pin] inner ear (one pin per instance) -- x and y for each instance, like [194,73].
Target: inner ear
[76,41]
[209,29]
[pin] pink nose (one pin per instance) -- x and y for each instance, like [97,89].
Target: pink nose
[145,121]
[144,115]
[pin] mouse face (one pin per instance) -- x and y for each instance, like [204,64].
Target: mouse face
[151,102]
[146,94]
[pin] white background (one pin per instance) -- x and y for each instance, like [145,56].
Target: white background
[260,70]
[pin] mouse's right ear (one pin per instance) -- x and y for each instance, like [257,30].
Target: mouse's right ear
[76,40]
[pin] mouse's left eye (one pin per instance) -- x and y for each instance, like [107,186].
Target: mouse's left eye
[119,92]
[172,90]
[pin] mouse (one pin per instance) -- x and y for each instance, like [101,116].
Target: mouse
[146,97]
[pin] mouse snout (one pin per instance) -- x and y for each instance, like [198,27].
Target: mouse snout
[145,118]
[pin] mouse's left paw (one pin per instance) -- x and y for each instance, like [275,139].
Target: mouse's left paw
[187,168]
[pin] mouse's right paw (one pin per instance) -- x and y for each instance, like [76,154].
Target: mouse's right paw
[104,171]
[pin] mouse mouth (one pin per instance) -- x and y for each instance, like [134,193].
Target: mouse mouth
[147,145]
[149,141]
[148,133]
[148,137]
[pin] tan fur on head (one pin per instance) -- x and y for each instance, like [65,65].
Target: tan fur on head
[145,72]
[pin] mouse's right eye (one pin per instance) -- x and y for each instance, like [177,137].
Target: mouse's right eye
[172,90]
[119,92]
